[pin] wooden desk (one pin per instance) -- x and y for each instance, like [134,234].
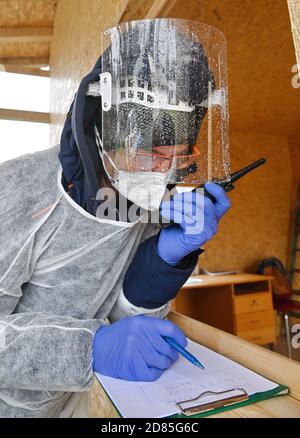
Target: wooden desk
[239,304]
[261,360]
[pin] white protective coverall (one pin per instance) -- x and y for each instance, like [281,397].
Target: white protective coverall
[61,276]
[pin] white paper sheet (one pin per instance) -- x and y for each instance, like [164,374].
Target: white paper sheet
[182,381]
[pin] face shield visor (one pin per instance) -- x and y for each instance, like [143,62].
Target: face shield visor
[164,112]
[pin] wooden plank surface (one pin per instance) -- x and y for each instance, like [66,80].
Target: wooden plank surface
[277,407]
[219,280]
[267,363]
[99,404]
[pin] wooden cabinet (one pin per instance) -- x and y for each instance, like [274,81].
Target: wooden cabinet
[254,320]
[252,302]
[239,304]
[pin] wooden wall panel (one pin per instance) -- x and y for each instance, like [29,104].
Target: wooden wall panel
[9,13]
[27,13]
[260,57]
[37,12]
[257,225]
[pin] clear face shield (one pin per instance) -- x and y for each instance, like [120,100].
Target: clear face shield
[164,108]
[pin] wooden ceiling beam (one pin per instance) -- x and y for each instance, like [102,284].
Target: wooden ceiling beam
[160,8]
[10,68]
[31,61]
[24,116]
[25,34]
[133,11]
[140,10]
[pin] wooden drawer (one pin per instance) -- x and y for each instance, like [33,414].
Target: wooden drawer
[260,336]
[254,320]
[253,302]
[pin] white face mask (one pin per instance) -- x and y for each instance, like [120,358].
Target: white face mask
[145,189]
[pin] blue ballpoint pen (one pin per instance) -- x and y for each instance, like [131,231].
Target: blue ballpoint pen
[184,352]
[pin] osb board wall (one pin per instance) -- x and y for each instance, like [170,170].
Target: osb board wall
[26,13]
[295,155]
[261,54]
[294,144]
[294,6]
[257,225]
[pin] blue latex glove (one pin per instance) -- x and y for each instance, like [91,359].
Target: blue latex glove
[196,220]
[133,348]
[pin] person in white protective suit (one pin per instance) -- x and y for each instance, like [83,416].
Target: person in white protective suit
[76,286]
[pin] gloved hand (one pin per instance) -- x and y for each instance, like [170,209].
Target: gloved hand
[133,348]
[196,222]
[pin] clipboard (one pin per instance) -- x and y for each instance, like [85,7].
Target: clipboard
[186,391]
[228,398]
[227,403]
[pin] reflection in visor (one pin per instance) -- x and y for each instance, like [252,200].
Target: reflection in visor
[162,159]
[137,128]
[165,157]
